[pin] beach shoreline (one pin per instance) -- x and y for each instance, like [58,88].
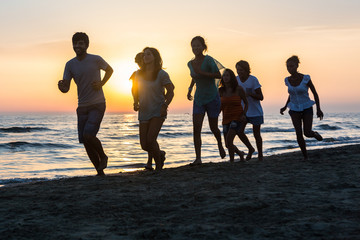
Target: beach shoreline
[281,198]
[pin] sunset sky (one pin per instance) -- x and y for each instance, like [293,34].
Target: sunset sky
[36,36]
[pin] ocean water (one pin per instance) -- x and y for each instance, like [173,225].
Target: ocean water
[44,146]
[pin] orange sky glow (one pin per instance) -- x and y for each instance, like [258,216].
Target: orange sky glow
[37,44]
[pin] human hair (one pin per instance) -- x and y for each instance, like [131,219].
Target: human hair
[295,59]
[80,36]
[139,59]
[201,40]
[157,62]
[244,65]
[233,81]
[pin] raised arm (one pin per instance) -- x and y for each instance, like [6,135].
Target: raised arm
[210,75]
[64,85]
[258,95]
[108,72]
[169,95]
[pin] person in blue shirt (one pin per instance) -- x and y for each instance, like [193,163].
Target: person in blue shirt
[300,104]
[204,71]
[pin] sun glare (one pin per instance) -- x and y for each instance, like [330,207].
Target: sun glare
[120,79]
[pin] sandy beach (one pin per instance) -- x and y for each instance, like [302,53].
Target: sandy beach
[279,198]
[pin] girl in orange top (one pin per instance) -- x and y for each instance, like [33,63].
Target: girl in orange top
[234,115]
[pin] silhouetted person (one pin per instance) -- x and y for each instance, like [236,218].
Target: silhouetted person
[204,71]
[152,102]
[234,115]
[255,114]
[85,70]
[300,104]
[140,62]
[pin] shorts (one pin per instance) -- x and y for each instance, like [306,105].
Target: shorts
[255,120]
[212,108]
[147,121]
[236,125]
[303,112]
[89,119]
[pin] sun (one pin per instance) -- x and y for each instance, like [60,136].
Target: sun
[119,81]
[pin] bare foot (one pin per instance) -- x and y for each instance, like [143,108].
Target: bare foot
[241,156]
[162,158]
[317,136]
[249,155]
[103,163]
[221,151]
[196,162]
[149,167]
[260,158]
[100,173]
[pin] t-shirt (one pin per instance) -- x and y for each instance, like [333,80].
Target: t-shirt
[206,88]
[84,73]
[299,95]
[251,84]
[151,95]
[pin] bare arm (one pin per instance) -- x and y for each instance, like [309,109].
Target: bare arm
[169,95]
[242,94]
[64,85]
[282,110]
[209,75]
[319,113]
[135,94]
[257,95]
[189,97]
[108,72]
[197,70]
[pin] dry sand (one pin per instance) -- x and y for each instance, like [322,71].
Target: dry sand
[279,198]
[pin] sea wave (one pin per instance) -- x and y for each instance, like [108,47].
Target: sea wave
[25,145]
[20,180]
[23,129]
[328,127]
[276,129]
[175,134]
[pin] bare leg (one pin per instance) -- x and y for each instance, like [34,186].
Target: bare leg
[308,132]
[154,128]
[94,158]
[213,123]
[229,142]
[149,162]
[197,126]
[245,140]
[258,139]
[93,144]
[143,131]
[297,122]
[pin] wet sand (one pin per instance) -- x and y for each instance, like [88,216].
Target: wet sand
[279,198]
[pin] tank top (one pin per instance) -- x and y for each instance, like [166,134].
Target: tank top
[231,108]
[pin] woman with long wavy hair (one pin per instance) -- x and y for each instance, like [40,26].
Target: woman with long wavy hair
[152,95]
